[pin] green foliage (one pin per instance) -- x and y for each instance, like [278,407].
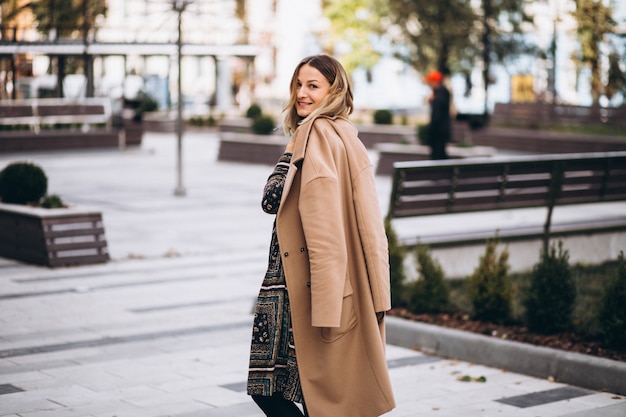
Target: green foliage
[147,104]
[253,111]
[263,125]
[202,121]
[68,17]
[355,23]
[430,293]
[22,183]
[489,286]
[594,22]
[52,201]
[612,315]
[383,117]
[397,253]
[552,293]
[422,134]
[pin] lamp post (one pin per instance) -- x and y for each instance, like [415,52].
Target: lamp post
[179,7]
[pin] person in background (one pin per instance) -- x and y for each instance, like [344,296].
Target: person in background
[318,336]
[439,128]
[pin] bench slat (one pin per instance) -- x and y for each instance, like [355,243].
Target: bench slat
[483,184]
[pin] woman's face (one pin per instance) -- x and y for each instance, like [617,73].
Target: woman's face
[311,88]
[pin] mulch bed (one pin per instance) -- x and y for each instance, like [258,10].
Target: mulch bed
[570,342]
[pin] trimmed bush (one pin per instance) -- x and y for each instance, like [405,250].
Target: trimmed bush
[430,293]
[422,132]
[147,104]
[397,253]
[612,315]
[263,125]
[489,287]
[22,183]
[52,201]
[383,117]
[552,293]
[253,111]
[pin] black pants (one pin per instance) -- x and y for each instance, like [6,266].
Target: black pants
[278,406]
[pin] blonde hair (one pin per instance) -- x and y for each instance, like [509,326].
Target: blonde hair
[338,101]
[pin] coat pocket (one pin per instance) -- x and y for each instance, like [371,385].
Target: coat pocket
[348,317]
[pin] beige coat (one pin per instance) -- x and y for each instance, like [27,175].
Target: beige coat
[336,262]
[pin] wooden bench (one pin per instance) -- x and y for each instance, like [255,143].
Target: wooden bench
[424,188]
[50,124]
[38,114]
[537,114]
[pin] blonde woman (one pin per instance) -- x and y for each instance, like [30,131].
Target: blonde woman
[318,336]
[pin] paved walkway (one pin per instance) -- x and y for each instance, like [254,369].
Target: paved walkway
[163,328]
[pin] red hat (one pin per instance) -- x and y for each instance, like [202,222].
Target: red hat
[433,77]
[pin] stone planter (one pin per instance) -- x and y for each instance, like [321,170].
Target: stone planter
[52,237]
[251,148]
[388,153]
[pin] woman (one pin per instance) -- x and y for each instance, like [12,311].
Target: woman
[327,285]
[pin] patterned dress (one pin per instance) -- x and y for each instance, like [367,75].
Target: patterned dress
[273,368]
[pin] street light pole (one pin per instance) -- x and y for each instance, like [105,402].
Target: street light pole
[179,6]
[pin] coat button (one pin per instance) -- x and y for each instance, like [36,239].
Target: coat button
[308,284]
[302,249]
[286,254]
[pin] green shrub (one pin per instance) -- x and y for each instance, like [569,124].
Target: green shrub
[397,253]
[489,286]
[552,293]
[430,293]
[196,121]
[253,111]
[22,183]
[263,125]
[52,201]
[147,104]
[422,132]
[612,315]
[383,117]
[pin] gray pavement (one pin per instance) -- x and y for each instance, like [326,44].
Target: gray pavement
[163,328]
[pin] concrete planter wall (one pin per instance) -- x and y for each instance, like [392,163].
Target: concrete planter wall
[388,153]
[52,237]
[247,147]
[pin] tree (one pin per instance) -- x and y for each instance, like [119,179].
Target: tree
[489,287]
[552,293]
[242,14]
[430,293]
[452,35]
[612,313]
[11,11]
[438,33]
[67,18]
[594,24]
[616,77]
[354,27]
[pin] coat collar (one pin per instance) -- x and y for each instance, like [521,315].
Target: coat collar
[301,134]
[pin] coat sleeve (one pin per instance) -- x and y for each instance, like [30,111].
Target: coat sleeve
[373,238]
[321,211]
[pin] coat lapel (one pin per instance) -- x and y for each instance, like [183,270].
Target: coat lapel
[302,137]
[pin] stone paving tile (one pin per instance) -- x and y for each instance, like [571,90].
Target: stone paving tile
[166,335]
